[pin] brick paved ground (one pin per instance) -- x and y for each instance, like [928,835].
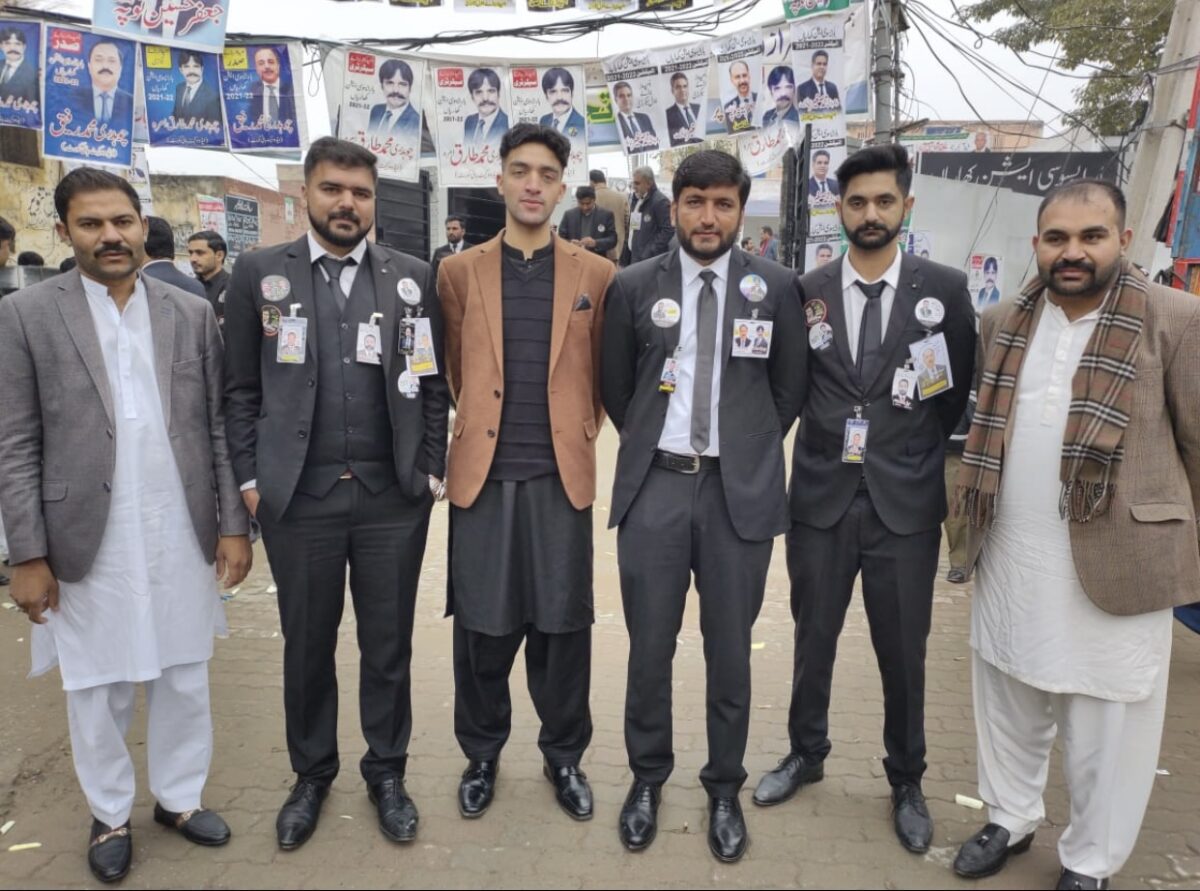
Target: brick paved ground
[833,835]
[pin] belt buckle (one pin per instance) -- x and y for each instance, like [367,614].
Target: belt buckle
[695,461]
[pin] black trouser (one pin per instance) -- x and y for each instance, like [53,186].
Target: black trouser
[382,538]
[897,581]
[558,670]
[679,525]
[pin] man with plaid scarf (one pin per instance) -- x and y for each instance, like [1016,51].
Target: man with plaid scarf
[1080,478]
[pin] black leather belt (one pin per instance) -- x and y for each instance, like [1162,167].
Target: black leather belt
[684,463]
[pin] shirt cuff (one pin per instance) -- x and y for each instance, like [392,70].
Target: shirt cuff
[248,485]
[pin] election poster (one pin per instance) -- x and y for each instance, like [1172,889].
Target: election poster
[739,77]
[817,57]
[503,6]
[188,24]
[763,149]
[258,88]
[89,97]
[381,110]
[139,178]
[471,116]
[633,85]
[549,5]
[554,96]
[983,280]
[183,97]
[243,230]
[21,76]
[211,211]
[919,243]
[796,9]
[683,89]
[818,253]
[823,162]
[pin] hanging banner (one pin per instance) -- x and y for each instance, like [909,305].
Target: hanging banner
[485,5]
[739,74]
[554,97]
[856,70]
[139,178]
[187,24]
[89,98]
[763,149]
[818,253]
[242,224]
[684,91]
[212,215]
[183,97]
[549,5]
[633,84]
[21,75]
[941,142]
[1030,173]
[417,4]
[817,57]
[795,9]
[257,85]
[471,120]
[610,7]
[919,243]
[665,5]
[381,110]
[823,162]
[983,280]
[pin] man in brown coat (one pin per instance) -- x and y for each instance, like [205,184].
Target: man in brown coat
[523,321]
[614,201]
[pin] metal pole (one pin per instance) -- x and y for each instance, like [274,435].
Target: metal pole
[801,187]
[881,71]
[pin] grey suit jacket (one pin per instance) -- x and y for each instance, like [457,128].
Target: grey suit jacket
[57,443]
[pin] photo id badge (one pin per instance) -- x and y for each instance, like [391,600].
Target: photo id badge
[854,442]
[367,347]
[406,340]
[752,338]
[670,374]
[293,340]
[904,388]
[931,358]
[422,362]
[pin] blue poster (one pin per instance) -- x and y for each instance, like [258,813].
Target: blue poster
[260,101]
[183,97]
[20,77]
[187,24]
[89,97]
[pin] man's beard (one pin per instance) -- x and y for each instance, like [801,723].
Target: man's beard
[702,255]
[872,236]
[326,231]
[1101,279]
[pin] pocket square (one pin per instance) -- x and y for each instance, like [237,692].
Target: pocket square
[582,303]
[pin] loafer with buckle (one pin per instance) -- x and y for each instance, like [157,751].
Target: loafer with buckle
[110,851]
[986,852]
[780,784]
[1077,881]
[199,825]
[638,824]
[571,790]
[298,817]
[910,816]
[477,788]
[727,836]
[397,813]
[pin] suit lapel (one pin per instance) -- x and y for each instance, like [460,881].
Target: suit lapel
[908,292]
[567,273]
[830,292]
[733,303]
[385,278]
[299,272]
[488,274]
[670,287]
[162,332]
[77,319]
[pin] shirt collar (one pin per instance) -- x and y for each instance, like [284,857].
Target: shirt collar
[692,269]
[316,252]
[892,276]
[99,291]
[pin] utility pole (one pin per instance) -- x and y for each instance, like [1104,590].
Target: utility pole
[887,24]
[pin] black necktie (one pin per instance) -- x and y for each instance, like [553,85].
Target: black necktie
[706,346]
[333,268]
[870,332]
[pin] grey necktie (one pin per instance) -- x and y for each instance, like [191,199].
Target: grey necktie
[333,268]
[706,345]
[272,104]
[105,107]
[870,332]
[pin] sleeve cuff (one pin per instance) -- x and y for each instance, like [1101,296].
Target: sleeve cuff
[248,485]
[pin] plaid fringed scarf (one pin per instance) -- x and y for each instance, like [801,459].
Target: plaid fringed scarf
[1101,400]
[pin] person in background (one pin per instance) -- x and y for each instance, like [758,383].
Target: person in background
[768,245]
[650,229]
[456,241]
[612,200]
[206,252]
[587,225]
[160,257]
[30,258]
[8,241]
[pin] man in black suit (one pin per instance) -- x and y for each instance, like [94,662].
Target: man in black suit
[650,229]
[637,130]
[782,84]
[272,100]
[817,93]
[488,124]
[587,225]
[160,257]
[103,98]
[456,241]
[18,77]
[396,116]
[206,252]
[340,461]
[876,509]
[684,126]
[699,486]
[195,101]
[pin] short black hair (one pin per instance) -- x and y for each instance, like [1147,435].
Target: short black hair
[160,239]
[340,153]
[768,230]
[585,192]
[875,159]
[679,75]
[621,83]
[7,232]
[90,179]
[11,32]
[30,258]
[547,136]
[825,246]
[820,153]
[780,73]
[1081,190]
[103,42]
[455,218]
[274,52]
[707,168]
[597,176]
[992,262]
[67,265]
[389,68]
[554,75]
[479,76]
[820,54]
[213,239]
[185,55]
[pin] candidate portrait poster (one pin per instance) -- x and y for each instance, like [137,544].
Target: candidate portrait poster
[382,102]
[21,76]
[739,60]
[634,89]
[471,116]
[188,24]
[983,280]
[89,97]
[554,96]
[258,87]
[183,97]
[683,89]
[818,61]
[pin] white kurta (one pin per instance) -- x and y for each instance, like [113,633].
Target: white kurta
[150,600]
[1030,616]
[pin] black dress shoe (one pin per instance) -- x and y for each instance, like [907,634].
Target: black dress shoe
[1077,881]
[477,788]
[957,576]
[110,851]
[639,816]
[397,813]
[780,784]
[911,818]
[571,790]
[298,817]
[986,852]
[199,826]
[727,836]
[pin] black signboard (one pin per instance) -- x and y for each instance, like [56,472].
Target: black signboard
[241,222]
[1031,173]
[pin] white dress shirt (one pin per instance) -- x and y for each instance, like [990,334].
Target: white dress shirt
[854,301]
[349,271]
[677,426]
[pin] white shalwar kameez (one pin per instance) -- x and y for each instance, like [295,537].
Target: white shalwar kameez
[1045,657]
[148,608]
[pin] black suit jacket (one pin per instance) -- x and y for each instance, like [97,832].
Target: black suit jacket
[648,142]
[409,123]
[830,183]
[23,84]
[759,397]
[808,90]
[165,271]
[905,449]
[678,130]
[656,230]
[269,405]
[571,228]
[287,101]
[206,106]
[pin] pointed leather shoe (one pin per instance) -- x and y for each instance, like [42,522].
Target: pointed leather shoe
[477,787]
[200,826]
[110,851]
[910,816]
[986,852]
[397,813]
[298,817]
[639,816]
[1077,881]
[780,784]
[727,836]
[571,790]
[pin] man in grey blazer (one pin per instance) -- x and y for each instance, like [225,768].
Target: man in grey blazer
[120,496]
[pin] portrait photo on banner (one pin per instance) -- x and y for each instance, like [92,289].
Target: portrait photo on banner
[818,60]
[258,87]
[471,111]
[21,76]
[554,96]
[634,88]
[382,104]
[89,97]
[739,78]
[683,90]
[187,24]
[183,97]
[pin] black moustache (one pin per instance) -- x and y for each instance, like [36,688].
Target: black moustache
[105,71]
[1073,264]
[352,217]
[111,250]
